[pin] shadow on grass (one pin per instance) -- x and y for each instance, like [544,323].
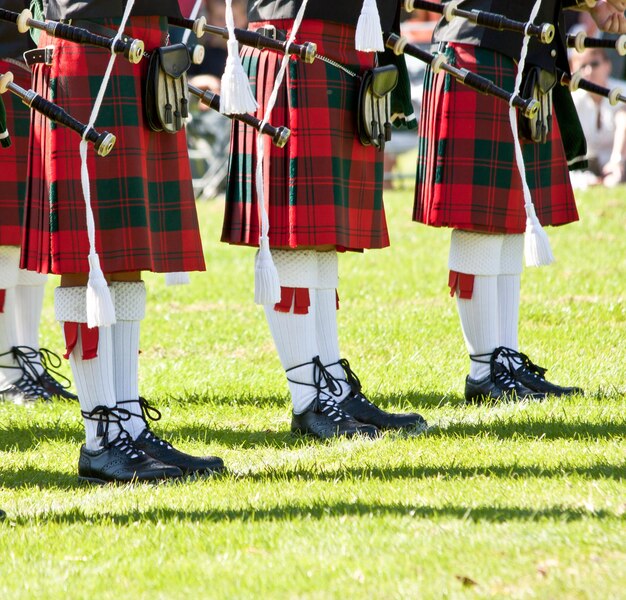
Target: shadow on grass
[24,438]
[32,477]
[513,427]
[443,472]
[408,400]
[488,514]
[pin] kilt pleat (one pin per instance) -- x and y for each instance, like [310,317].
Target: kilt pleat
[14,160]
[323,187]
[141,194]
[466,173]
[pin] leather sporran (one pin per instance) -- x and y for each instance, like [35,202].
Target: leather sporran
[167,96]
[374,106]
[537,83]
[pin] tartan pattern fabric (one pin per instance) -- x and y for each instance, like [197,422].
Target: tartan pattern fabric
[467,177]
[13,160]
[141,193]
[323,187]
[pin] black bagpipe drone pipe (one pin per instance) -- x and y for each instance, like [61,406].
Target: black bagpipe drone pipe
[576,81]
[103,142]
[305,52]
[131,49]
[400,45]
[581,41]
[279,135]
[544,32]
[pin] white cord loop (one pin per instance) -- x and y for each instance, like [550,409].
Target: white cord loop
[266,283]
[536,243]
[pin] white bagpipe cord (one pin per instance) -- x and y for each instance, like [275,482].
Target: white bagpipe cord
[100,309]
[537,249]
[369,34]
[236,96]
[192,15]
[266,282]
[181,277]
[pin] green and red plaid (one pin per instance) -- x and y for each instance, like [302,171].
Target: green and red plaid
[141,194]
[323,187]
[466,172]
[13,160]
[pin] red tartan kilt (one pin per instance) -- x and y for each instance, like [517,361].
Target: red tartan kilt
[13,160]
[141,193]
[467,177]
[323,187]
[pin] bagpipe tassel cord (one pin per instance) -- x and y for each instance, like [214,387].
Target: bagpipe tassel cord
[181,277]
[537,249]
[369,34]
[266,282]
[100,309]
[236,97]
[5,138]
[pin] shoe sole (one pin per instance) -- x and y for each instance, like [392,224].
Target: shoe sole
[96,481]
[307,433]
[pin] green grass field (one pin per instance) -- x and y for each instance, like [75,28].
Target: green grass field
[508,501]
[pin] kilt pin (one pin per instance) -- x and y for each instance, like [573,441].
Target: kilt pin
[141,194]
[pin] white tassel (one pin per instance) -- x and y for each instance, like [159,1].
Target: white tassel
[266,282]
[177,278]
[236,96]
[100,307]
[369,34]
[537,249]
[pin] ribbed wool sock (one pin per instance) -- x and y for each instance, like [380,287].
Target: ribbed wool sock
[94,382]
[93,377]
[326,318]
[130,306]
[508,310]
[295,340]
[29,294]
[479,322]
[9,261]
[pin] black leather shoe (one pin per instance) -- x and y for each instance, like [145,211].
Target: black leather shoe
[531,375]
[325,419]
[364,411]
[55,388]
[360,408]
[498,385]
[164,452]
[24,391]
[121,461]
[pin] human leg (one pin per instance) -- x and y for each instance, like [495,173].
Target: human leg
[351,398]
[292,321]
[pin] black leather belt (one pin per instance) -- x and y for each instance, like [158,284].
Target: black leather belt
[39,55]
